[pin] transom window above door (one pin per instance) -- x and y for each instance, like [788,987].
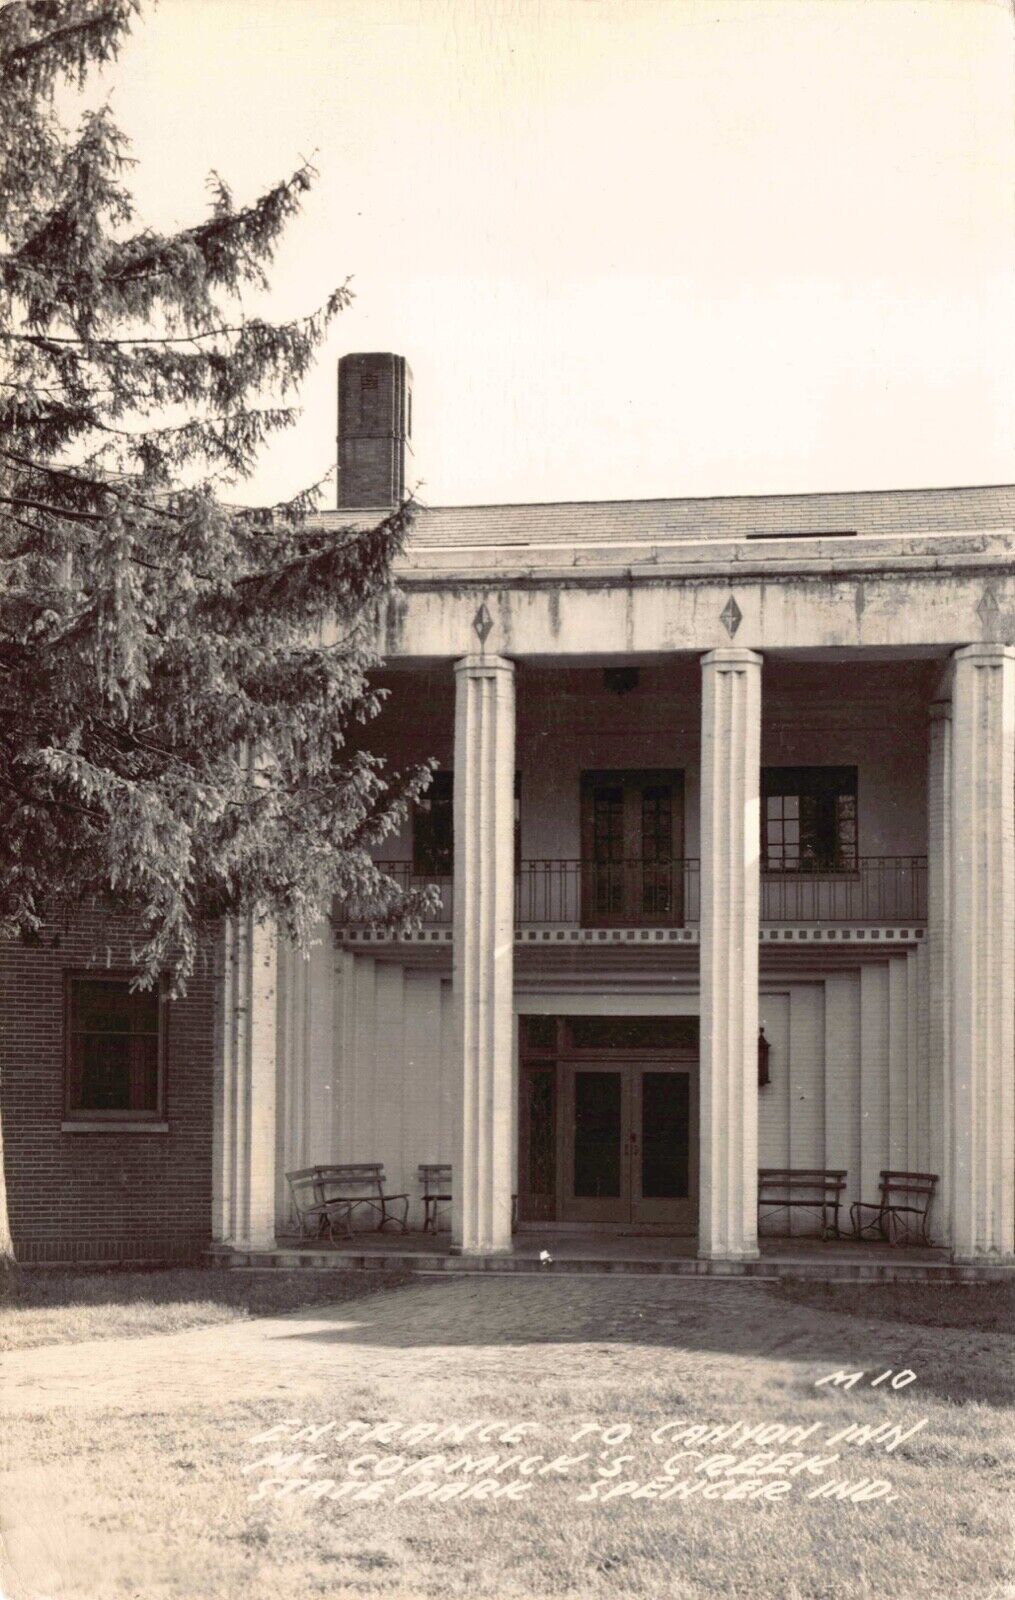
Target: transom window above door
[808,820]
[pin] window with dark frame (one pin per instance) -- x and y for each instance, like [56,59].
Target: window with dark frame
[433,835]
[808,819]
[433,828]
[114,1049]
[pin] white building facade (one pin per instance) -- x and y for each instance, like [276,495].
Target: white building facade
[711,772]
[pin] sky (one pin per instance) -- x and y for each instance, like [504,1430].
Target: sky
[630,248]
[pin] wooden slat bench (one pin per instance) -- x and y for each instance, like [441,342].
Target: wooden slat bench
[311,1212]
[333,1192]
[435,1176]
[817,1189]
[904,1196]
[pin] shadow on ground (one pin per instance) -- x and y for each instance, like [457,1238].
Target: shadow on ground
[956,1358]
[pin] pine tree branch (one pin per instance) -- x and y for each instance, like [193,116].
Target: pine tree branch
[43,341]
[23,549]
[267,214]
[55,511]
[53,802]
[58,38]
[100,485]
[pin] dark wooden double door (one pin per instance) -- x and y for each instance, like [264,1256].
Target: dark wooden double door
[610,1138]
[628,1155]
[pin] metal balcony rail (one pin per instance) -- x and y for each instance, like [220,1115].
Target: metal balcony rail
[661,894]
[608,894]
[868,889]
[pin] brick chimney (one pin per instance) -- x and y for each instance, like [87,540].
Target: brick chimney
[374,430]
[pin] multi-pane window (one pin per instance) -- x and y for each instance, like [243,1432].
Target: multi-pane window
[114,1049]
[657,848]
[809,819]
[608,848]
[632,842]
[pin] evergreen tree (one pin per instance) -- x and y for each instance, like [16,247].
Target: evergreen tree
[179,677]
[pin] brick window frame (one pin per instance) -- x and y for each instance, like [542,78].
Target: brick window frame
[141,1105]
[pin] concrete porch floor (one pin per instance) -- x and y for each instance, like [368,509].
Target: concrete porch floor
[845,1259]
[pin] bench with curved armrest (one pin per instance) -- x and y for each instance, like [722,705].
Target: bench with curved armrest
[902,1210]
[330,1194]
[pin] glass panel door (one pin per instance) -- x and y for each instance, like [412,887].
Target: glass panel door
[598,1119]
[656,853]
[629,1144]
[632,848]
[664,1139]
[596,1144]
[608,851]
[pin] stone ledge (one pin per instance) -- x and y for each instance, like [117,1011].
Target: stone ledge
[766,1267]
[817,933]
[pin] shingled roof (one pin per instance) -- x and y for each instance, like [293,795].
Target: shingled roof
[864,512]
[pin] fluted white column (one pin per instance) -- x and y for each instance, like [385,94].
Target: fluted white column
[939,930]
[730,888]
[484,951]
[982,1009]
[244,1128]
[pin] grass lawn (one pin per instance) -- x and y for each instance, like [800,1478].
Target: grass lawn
[57,1306]
[126,1470]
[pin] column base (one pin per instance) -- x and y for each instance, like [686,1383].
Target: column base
[257,1244]
[989,1258]
[753,1254]
[482,1250]
[219,1254]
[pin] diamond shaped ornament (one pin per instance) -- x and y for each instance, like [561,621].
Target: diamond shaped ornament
[988,607]
[731,616]
[482,622]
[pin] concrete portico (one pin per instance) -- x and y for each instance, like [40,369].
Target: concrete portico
[957,988]
[705,768]
[968,1116]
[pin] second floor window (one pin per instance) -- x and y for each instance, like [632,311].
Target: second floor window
[808,819]
[433,828]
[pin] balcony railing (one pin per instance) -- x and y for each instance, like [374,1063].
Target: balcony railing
[874,889]
[608,894]
[661,894]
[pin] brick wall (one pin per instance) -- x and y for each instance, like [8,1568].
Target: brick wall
[106,1196]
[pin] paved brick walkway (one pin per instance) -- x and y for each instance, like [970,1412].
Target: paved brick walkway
[488,1326]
